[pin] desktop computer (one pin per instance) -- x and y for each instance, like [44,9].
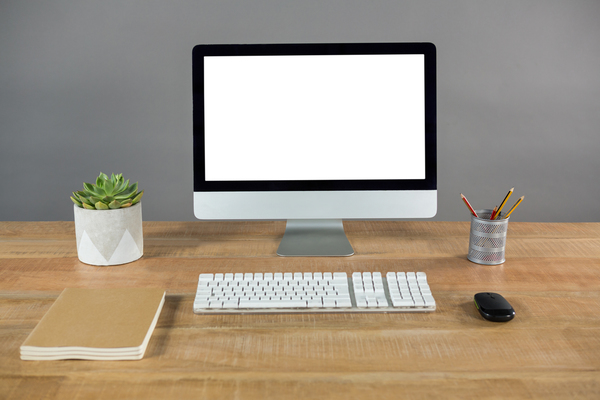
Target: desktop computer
[314,134]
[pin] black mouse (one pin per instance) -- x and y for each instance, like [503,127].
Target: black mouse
[494,307]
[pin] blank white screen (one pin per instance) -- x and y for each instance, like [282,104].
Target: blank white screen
[342,117]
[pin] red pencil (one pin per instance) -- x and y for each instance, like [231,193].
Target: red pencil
[469,205]
[494,211]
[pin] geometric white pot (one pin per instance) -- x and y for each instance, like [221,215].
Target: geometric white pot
[109,237]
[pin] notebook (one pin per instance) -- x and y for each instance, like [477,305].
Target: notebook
[96,324]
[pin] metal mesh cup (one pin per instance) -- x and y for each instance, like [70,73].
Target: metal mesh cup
[487,240]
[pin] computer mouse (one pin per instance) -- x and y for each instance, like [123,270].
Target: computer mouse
[494,307]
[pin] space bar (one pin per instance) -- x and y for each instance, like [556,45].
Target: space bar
[272,304]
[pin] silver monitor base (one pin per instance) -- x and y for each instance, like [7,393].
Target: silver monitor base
[314,237]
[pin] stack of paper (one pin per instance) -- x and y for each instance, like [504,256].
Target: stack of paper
[96,324]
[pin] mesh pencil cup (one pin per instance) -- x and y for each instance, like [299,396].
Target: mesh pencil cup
[487,240]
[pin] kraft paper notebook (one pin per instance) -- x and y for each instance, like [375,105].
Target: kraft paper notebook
[96,324]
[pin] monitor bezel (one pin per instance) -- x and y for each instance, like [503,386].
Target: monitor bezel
[200,51]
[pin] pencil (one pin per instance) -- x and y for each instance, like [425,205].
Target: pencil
[494,211]
[503,202]
[469,205]
[515,206]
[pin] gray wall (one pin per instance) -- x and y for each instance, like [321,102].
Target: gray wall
[89,86]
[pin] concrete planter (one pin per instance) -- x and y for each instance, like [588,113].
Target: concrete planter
[109,237]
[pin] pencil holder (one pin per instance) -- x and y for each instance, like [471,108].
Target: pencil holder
[487,240]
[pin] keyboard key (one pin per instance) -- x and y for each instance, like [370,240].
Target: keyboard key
[328,302]
[429,301]
[254,303]
[419,301]
[404,303]
[315,303]
[293,303]
[230,303]
[340,277]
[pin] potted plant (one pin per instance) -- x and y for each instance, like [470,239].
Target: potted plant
[108,221]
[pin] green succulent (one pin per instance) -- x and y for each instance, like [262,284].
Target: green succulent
[107,193]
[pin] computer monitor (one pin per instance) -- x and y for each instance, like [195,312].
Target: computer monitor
[314,134]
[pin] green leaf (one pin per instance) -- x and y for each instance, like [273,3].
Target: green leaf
[95,199]
[114,204]
[93,190]
[125,205]
[99,181]
[101,206]
[130,191]
[77,202]
[85,205]
[86,200]
[103,176]
[109,186]
[121,186]
[137,198]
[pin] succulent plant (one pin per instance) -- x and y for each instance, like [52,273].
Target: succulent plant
[107,193]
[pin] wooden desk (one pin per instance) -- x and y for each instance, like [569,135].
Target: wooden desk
[551,349]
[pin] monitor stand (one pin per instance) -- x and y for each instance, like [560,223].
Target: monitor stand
[314,237]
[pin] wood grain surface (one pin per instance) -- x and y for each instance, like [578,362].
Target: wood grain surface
[550,350]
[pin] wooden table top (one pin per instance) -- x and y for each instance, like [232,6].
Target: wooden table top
[550,350]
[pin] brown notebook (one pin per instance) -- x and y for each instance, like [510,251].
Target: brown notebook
[96,324]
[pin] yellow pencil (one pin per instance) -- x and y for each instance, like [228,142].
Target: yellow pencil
[515,206]
[504,202]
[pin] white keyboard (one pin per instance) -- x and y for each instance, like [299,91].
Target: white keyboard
[313,293]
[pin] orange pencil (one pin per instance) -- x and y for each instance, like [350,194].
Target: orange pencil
[469,205]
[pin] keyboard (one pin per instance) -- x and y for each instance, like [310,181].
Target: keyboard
[247,293]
